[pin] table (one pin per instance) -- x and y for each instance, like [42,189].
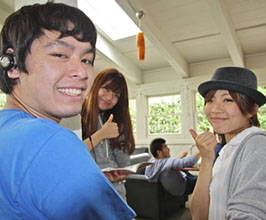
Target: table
[187,169]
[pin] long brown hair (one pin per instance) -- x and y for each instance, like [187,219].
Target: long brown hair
[89,114]
[244,103]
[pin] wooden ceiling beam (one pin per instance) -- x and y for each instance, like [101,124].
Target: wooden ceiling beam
[130,70]
[227,30]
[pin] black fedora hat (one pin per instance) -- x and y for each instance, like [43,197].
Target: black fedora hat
[235,79]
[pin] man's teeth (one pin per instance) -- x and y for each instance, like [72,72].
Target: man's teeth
[72,92]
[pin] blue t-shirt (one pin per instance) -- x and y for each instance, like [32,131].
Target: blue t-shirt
[46,172]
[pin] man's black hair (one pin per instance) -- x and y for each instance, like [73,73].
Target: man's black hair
[156,144]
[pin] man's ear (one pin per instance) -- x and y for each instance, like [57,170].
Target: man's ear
[159,153]
[14,73]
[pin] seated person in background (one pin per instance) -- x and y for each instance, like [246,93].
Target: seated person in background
[175,182]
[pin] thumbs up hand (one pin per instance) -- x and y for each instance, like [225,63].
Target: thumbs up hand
[110,128]
[205,143]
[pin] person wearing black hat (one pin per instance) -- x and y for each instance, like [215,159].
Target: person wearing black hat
[234,187]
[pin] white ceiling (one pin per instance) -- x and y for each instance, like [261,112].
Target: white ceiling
[185,33]
[189,37]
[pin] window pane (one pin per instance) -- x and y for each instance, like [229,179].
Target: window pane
[132,110]
[262,110]
[164,114]
[202,122]
[2,100]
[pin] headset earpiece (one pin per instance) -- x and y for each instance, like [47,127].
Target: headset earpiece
[7,61]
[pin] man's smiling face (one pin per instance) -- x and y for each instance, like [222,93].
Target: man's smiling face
[60,75]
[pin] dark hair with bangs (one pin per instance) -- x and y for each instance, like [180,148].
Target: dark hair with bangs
[27,24]
[113,79]
[245,104]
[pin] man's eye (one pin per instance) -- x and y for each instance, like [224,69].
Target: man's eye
[60,55]
[86,61]
[210,100]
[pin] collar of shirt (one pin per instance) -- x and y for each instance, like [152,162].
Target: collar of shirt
[235,142]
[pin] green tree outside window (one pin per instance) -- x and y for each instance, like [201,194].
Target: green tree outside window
[202,122]
[2,100]
[164,114]
[262,110]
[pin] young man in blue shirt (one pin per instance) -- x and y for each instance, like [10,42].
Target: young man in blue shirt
[46,59]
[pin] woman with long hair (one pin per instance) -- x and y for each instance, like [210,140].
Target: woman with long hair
[106,124]
[234,187]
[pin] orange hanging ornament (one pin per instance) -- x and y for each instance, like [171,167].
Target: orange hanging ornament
[141,46]
[140,38]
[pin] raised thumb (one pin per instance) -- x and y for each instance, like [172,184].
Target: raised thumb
[110,119]
[193,133]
